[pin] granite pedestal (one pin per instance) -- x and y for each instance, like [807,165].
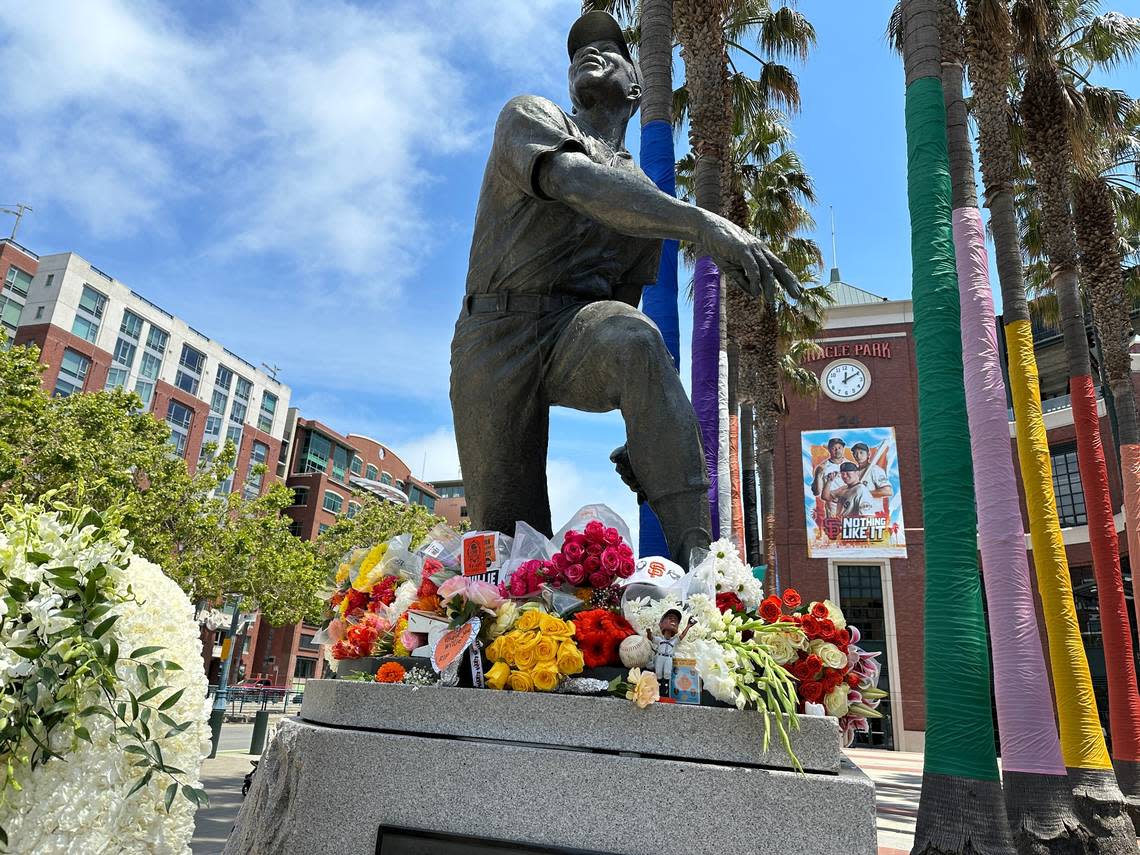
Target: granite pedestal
[554,773]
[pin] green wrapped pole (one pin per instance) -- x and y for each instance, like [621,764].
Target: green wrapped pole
[961,809]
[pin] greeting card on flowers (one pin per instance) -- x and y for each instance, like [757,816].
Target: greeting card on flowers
[452,644]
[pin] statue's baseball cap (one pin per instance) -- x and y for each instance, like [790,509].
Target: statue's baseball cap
[595,27]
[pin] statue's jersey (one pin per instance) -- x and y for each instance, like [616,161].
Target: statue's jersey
[526,243]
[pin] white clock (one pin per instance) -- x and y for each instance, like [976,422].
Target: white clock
[846,380]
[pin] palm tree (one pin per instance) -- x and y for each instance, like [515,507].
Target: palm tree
[1038,800]
[961,809]
[1048,119]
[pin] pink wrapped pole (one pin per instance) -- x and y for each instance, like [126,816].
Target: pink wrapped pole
[1029,741]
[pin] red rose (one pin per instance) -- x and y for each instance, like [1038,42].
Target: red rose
[842,639]
[626,568]
[792,598]
[592,564]
[559,561]
[728,601]
[611,537]
[574,552]
[625,551]
[576,574]
[595,531]
[611,560]
[831,680]
[852,680]
[819,610]
[810,626]
[770,609]
[827,629]
[594,549]
[812,692]
[600,579]
[812,665]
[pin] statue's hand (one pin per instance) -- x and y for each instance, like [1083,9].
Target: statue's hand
[620,458]
[747,261]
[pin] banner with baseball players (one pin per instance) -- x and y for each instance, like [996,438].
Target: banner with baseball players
[852,495]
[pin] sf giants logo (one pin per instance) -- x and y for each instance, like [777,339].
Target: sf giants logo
[833,527]
[656,569]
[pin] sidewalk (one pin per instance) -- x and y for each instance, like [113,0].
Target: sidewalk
[222,779]
[898,784]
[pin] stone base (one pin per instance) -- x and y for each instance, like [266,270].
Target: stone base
[324,788]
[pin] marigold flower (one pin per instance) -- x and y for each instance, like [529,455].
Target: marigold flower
[390,672]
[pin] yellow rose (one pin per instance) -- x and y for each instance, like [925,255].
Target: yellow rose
[497,676]
[525,640]
[342,574]
[520,682]
[550,625]
[494,650]
[529,620]
[545,677]
[546,650]
[570,658]
[526,658]
[506,648]
[644,688]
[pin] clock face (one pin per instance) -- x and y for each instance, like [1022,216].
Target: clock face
[846,380]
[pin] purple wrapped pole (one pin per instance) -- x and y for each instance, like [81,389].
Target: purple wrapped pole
[706,370]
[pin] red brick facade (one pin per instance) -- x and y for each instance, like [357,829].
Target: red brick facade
[53,341]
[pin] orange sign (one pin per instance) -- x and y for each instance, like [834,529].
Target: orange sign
[452,644]
[478,554]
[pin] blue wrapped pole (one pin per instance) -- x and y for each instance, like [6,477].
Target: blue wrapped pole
[659,301]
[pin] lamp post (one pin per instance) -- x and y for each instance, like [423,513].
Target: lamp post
[218,713]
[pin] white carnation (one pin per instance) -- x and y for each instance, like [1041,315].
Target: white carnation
[79,804]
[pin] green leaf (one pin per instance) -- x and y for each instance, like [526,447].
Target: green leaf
[83,733]
[171,792]
[62,571]
[92,517]
[172,700]
[143,674]
[178,728]
[140,783]
[95,710]
[67,583]
[134,706]
[65,706]
[102,628]
[38,558]
[28,651]
[136,749]
[112,652]
[146,651]
[151,693]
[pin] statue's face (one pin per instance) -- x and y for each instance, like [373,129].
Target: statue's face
[599,73]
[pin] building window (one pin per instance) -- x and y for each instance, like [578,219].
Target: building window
[304,668]
[300,497]
[179,417]
[295,528]
[357,465]
[223,379]
[50,280]
[307,641]
[268,411]
[39,312]
[373,472]
[123,358]
[156,340]
[428,502]
[322,528]
[258,454]
[89,314]
[241,400]
[861,598]
[73,370]
[385,478]
[1067,486]
[190,366]
[333,502]
[463,512]
[314,453]
[10,310]
[341,460]
[353,509]
[19,281]
[131,325]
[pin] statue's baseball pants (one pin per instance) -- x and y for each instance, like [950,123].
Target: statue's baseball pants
[509,368]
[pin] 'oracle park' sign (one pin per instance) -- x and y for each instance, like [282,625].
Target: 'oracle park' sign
[872,349]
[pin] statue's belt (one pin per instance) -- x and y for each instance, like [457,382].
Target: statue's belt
[537,304]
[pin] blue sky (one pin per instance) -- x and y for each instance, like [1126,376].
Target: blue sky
[298,180]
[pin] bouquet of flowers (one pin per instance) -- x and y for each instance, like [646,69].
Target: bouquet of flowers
[724,575]
[599,634]
[595,557]
[534,656]
[830,667]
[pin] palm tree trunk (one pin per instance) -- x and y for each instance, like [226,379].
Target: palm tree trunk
[659,302]
[1038,801]
[1099,244]
[699,25]
[961,809]
[748,481]
[1099,797]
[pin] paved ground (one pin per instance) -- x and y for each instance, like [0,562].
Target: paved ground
[897,777]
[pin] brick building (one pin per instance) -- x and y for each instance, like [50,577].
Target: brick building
[452,504]
[883,596]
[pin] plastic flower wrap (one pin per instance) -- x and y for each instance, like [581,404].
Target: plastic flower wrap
[723,572]
[108,791]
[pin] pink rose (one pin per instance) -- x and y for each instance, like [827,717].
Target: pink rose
[453,586]
[573,552]
[483,594]
[335,631]
[625,568]
[592,563]
[624,550]
[574,537]
[575,574]
[611,560]
[559,561]
[595,531]
[594,549]
[611,537]
[600,579]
